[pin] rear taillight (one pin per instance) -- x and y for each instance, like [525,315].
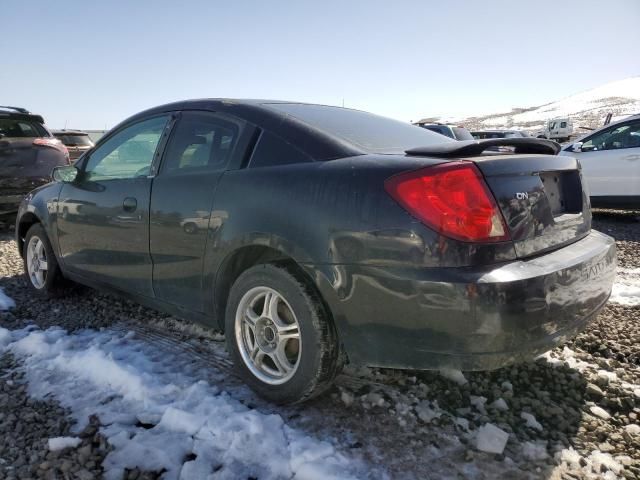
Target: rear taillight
[451,198]
[53,143]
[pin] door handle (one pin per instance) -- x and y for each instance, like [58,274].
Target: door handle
[631,158]
[130,204]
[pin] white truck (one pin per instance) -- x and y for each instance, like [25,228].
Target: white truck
[558,129]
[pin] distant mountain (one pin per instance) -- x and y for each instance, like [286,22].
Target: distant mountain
[587,109]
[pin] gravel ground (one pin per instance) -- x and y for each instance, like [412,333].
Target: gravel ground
[562,412]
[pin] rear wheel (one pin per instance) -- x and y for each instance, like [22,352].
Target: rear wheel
[40,264]
[280,336]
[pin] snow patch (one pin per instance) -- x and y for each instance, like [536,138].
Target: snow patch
[491,439]
[125,381]
[5,337]
[453,375]
[60,443]
[500,404]
[425,411]
[6,302]
[535,450]
[626,289]
[531,421]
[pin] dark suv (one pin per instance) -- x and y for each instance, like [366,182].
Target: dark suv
[76,141]
[28,154]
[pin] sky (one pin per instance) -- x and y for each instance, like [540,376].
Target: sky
[91,64]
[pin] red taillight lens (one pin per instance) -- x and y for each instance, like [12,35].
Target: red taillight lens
[453,199]
[53,143]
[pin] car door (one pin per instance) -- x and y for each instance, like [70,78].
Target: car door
[103,216]
[611,161]
[198,152]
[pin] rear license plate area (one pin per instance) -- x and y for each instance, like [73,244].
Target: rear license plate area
[563,191]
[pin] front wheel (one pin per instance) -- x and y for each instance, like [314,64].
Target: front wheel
[40,264]
[280,335]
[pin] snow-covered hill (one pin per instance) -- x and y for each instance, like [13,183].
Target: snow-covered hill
[587,109]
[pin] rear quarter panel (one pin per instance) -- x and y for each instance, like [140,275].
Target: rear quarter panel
[326,215]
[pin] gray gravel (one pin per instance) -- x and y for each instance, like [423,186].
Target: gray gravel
[380,413]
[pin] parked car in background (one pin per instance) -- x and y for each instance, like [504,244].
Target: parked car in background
[451,131]
[558,129]
[610,159]
[76,141]
[484,134]
[28,154]
[490,134]
[326,235]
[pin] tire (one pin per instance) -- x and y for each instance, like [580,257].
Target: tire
[288,370]
[51,284]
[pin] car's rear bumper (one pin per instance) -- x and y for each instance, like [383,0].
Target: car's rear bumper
[469,318]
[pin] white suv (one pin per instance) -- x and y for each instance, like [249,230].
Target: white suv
[610,159]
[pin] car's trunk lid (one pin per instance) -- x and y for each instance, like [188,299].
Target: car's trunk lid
[540,195]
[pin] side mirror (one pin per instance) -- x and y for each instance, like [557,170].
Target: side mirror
[576,147]
[64,174]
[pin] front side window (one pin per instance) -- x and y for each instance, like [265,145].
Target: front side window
[623,136]
[201,141]
[563,124]
[127,154]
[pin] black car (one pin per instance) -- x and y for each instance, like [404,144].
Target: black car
[28,153]
[452,131]
[315,235]
[76,141]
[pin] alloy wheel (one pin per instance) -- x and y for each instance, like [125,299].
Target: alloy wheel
[268,335]
[37,262]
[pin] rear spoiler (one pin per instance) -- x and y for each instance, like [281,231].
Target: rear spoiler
[471,148]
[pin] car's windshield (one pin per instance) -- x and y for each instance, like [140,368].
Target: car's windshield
[16,128]
[367,131]
[75,140]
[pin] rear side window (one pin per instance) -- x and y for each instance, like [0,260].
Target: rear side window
[272,150]
[15,128]
[201,141]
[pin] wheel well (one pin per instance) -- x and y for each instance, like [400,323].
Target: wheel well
[243,259]
[26,222]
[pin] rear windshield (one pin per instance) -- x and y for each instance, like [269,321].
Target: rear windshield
[367,131]
[74,140]
[15,128]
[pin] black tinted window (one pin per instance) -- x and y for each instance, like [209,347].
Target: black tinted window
[200,141]
[369,132]
[272,150]
[14,128]
[74,140]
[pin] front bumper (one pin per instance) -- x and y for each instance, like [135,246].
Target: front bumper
[469,318]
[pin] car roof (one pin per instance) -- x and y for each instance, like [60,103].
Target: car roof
[19,113]
[319,144]
[69,132]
